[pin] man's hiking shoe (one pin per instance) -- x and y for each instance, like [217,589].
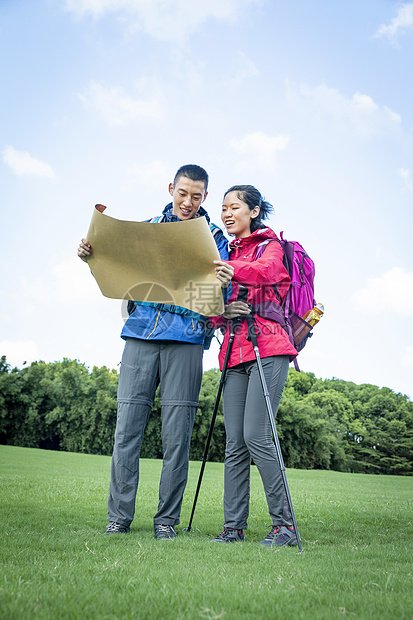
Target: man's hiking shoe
[164,532]
[280,536]
[228,535]
[116,528]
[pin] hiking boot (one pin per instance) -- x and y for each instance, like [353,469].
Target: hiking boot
[164,532]
[116,528]
[280,536]
[228,535]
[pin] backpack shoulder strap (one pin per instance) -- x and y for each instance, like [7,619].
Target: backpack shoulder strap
[258,253]
[261,247]
[214,229]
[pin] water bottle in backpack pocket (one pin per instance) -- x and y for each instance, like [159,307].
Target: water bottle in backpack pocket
[302,326]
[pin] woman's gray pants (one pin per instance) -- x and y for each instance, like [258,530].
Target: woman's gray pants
[177,366]
[248,432]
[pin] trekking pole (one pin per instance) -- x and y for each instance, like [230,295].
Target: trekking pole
[253,336]
[234,326]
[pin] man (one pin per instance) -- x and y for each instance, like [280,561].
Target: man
[164,345]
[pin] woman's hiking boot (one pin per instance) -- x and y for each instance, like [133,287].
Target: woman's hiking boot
[229,535]
[280,536]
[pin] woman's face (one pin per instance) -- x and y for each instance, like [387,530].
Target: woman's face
[237,216]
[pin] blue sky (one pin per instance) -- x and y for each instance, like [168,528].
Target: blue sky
[102,100]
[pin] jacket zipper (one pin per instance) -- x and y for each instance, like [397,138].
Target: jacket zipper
[156,322]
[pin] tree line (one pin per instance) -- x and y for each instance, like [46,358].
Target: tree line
[321,423]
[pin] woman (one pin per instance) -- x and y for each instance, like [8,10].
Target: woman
[247,424]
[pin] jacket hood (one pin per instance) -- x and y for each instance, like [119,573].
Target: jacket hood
[167,213]
[257,236]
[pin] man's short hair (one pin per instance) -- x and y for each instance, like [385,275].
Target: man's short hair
[193,172]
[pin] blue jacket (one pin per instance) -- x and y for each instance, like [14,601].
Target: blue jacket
[153,321]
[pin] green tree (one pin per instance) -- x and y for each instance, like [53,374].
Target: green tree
[207,397]
[99,419]
[322,423]
[304,433]
[69,387]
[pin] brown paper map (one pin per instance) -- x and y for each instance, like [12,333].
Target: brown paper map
[169,263]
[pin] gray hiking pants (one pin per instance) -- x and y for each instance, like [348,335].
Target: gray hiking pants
[248,432]
[178,368]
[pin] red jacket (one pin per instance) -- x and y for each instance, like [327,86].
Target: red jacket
[259,275]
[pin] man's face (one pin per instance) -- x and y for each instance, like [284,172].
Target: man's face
[187,197]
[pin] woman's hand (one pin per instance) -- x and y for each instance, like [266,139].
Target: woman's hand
[84,250]
[223,272]
[236,308]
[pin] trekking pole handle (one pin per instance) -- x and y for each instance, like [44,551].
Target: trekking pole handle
[243,294]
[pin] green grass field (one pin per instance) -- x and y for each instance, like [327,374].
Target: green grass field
[356,534]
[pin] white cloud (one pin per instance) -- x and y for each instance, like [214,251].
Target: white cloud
[23,164]
[404,173]
[66,285]
[407,359]
[360,111]
[118,108]
[389,294]
[72,282]
[148,175]
[169,20]
[19,351]
[260,149]
[402,21]
[245,70]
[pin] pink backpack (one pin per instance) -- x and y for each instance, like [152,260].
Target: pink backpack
[300,296]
